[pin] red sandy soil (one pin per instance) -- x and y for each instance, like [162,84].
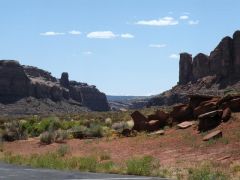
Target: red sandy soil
[174,149]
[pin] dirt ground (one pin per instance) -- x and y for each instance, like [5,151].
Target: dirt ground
[176,148]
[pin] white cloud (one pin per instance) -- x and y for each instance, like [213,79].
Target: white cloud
[191,22]
[74,32]
[184,17]
[165,21]
[52,33]
[174,56]
[157,45]
[101,35]
[127,36]
[87,52]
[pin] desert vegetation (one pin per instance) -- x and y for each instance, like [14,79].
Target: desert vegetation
[95,142]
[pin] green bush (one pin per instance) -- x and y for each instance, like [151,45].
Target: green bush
[140,166]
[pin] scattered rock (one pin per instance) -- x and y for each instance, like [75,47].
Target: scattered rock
[153,125]
[196,99]
[204,107]
[224,157]
[159,132]
[185,124]
[139,121]
[213,135]
[226,115]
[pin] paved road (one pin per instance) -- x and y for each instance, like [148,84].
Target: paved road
[13,172]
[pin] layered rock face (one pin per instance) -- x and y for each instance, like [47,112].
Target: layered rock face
[223,62]
[14,83]
[17,82]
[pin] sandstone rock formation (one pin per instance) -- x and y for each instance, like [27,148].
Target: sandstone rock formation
[18,82]
[223,62]
[215,74]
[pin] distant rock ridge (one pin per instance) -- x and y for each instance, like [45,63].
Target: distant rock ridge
[223,62]
[18,81]
[213,74]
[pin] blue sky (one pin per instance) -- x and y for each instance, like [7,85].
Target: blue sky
[124,47]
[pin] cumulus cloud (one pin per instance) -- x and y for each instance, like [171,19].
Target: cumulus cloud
[174,56]
[127,36]
[165,21]
[74,32]
[191,22]
[184,17]
[101,35]
[157,45]
[52,33]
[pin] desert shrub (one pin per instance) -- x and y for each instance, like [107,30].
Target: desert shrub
[46,124]
[63,150]
[95,130]
[140,166]
[13,131]
[65,125]
[78,131]
[108,122]
[60,136]
[205,172]
[47,137]
[107,131]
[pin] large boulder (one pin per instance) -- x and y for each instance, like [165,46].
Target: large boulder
[185,68]
[197,99]
[161,116]
[139,121]
[205,107]
[181,113]
[226,114]
[209,120]
[153,125]
[230,101]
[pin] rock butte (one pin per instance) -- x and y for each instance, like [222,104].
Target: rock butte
[205,74]
[18,82]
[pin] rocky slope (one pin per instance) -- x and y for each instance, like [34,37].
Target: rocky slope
[27,89]
[213,74]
